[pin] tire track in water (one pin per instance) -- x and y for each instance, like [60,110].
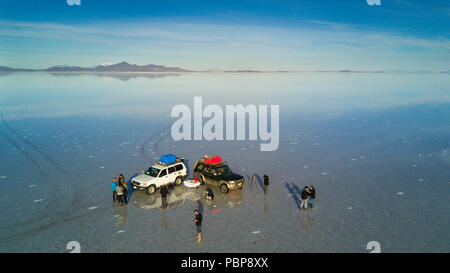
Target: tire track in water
[54,201]
[63,216]
[24,153]
[37,149]
[54,218]
[156,142]
[43,227]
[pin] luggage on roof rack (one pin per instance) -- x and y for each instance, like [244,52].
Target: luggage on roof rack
[213,160]
[168,159]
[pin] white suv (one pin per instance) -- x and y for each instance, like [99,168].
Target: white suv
[160,174]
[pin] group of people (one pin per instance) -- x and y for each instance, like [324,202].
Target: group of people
[308,196]
[119,190]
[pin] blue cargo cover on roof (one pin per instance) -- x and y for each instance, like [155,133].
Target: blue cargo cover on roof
[168,159]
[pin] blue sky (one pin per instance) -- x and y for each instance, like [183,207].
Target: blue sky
[222,35]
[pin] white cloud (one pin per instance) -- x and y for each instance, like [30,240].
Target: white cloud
[74,2]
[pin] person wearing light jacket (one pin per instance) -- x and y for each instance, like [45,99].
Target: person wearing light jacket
[113,189]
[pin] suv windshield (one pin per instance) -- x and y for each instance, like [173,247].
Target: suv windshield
[152,172]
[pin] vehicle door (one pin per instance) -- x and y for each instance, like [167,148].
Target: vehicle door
[180,170]
[163,178]
[201,170]
[172,175]
[205,171]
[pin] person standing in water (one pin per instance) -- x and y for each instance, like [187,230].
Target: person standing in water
[119,192]
[113,189]
[304,197]
[125,188]
[164,191]
[312,196]
[198,224]
[266,184]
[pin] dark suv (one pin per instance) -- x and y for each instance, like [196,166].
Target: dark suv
[218,175]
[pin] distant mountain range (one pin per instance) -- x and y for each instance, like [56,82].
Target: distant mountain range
[126,67]
[119,67]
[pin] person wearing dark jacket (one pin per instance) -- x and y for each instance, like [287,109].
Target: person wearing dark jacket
[198,224]
[304,197]
[312,196]
[125,188]
[266,184]
[164,191]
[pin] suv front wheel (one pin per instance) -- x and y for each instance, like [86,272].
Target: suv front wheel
[224,188]
[151,189]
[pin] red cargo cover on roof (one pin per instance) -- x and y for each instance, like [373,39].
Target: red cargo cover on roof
[213,160]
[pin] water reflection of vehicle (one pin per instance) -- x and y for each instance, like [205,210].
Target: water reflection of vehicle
[175,198]
[178,195]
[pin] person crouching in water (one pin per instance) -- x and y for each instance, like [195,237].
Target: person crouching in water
[209,195]
[119,192]
[198,224]
[304,197]
[312,196]
[113,189]
[125,188]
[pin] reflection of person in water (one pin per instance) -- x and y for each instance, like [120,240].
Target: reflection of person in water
[266,204]
[306,221]
[164,219]
[120,217]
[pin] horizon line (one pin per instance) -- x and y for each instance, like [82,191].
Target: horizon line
[344,70]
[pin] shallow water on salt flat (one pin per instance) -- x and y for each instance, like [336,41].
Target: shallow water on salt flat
[375,146]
